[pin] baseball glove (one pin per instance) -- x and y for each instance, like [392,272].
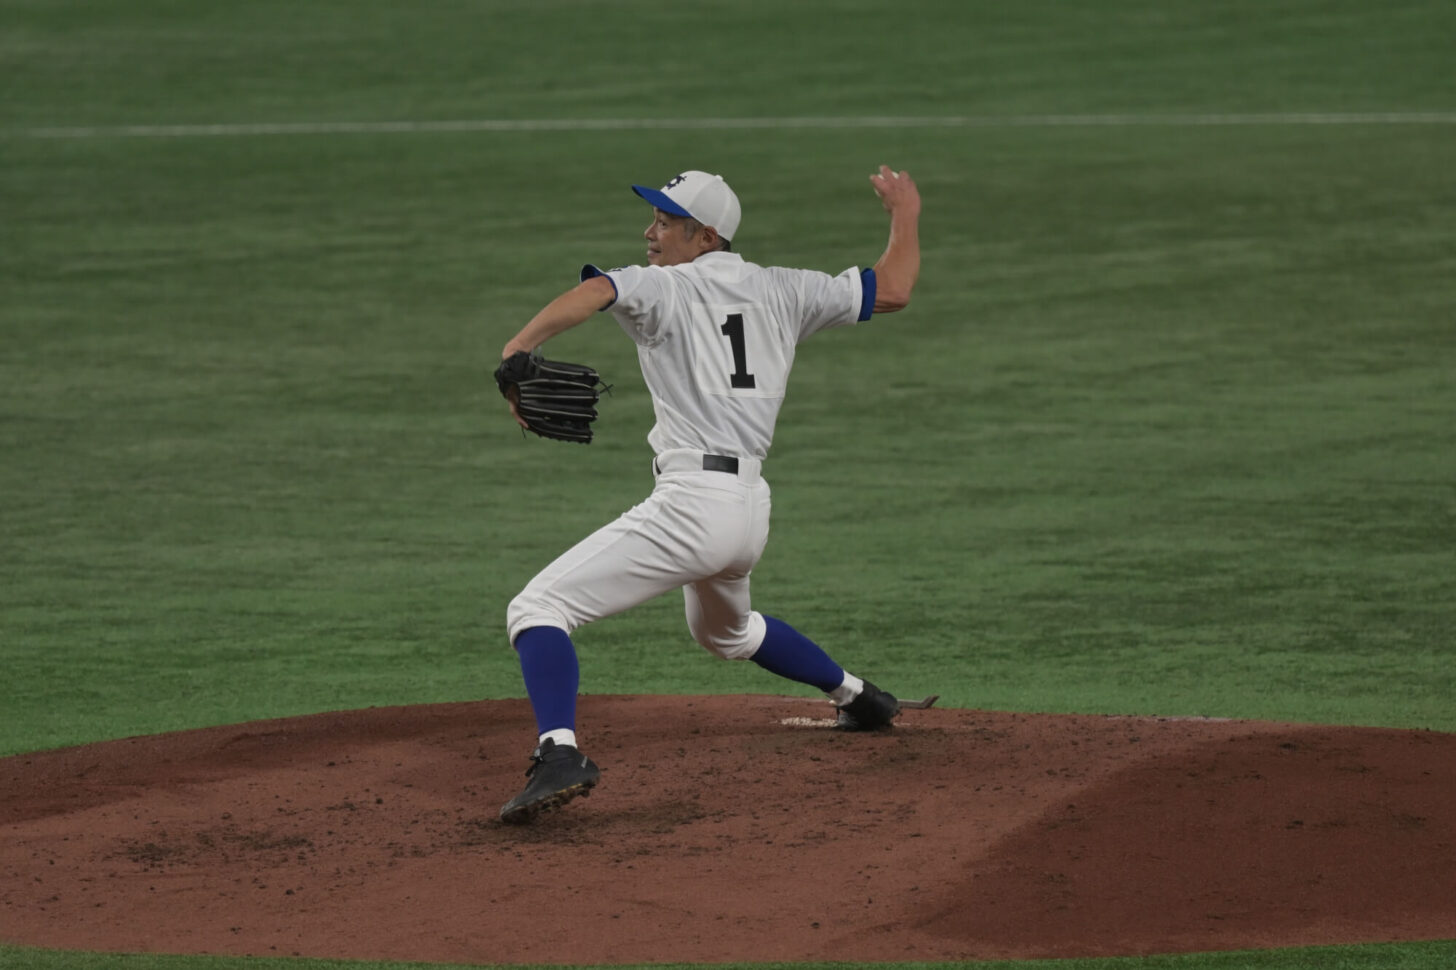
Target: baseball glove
[554,398]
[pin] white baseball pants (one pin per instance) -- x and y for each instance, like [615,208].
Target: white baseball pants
[700,530]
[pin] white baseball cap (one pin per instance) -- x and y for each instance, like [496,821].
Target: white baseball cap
[697,195]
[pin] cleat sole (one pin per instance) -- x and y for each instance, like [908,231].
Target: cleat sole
[527,811]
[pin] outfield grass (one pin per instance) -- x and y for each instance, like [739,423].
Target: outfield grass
[1174,441]
[1167,430]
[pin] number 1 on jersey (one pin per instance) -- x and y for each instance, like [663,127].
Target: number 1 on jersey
[733,330]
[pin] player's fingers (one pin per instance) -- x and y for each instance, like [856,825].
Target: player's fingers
[892,186]
[888,178]
[511,400]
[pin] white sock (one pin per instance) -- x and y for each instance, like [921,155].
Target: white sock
[560,736]
[846,691]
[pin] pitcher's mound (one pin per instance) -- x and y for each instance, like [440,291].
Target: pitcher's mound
[731,829]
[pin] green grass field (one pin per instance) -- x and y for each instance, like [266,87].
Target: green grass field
[1168,429]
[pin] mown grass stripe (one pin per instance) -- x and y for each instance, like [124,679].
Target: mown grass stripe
[671,124]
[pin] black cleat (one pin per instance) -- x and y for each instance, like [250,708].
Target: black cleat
[558,773]
[872,710]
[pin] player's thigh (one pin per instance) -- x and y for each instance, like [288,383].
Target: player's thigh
[624,563]
[719,606]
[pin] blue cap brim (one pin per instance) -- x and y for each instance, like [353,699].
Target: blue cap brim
[660,200]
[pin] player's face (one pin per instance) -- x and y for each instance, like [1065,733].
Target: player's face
[668,242]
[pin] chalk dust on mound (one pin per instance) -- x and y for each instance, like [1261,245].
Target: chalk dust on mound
[731,829]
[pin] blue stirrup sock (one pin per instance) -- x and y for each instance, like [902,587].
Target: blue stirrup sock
[548,665]
[788,653]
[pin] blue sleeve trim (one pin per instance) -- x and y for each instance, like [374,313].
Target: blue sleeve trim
[867,304]
[589,272]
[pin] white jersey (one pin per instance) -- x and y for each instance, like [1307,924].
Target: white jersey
[716,339]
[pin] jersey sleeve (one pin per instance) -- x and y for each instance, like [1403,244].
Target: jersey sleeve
[638,307]
[590,272]
[835,301]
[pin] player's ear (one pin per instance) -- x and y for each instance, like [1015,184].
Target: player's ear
[710,240]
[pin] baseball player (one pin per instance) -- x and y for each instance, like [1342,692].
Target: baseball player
[716,337]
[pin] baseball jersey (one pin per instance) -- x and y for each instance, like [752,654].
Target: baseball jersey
[716,340]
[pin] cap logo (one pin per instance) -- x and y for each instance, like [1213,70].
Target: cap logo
[675,181]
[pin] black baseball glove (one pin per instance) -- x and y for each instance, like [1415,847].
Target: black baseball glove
[554,398]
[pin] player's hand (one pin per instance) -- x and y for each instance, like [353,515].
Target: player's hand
[511,402]
[897,191]
[512,395]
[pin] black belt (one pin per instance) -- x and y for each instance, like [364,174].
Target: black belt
[711,463]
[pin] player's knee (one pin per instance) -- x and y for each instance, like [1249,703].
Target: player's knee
[727,644]
[528,610]
[729,650]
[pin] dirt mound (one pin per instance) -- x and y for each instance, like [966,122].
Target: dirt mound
[731,829]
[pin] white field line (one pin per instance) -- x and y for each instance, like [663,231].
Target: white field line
[735,124]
